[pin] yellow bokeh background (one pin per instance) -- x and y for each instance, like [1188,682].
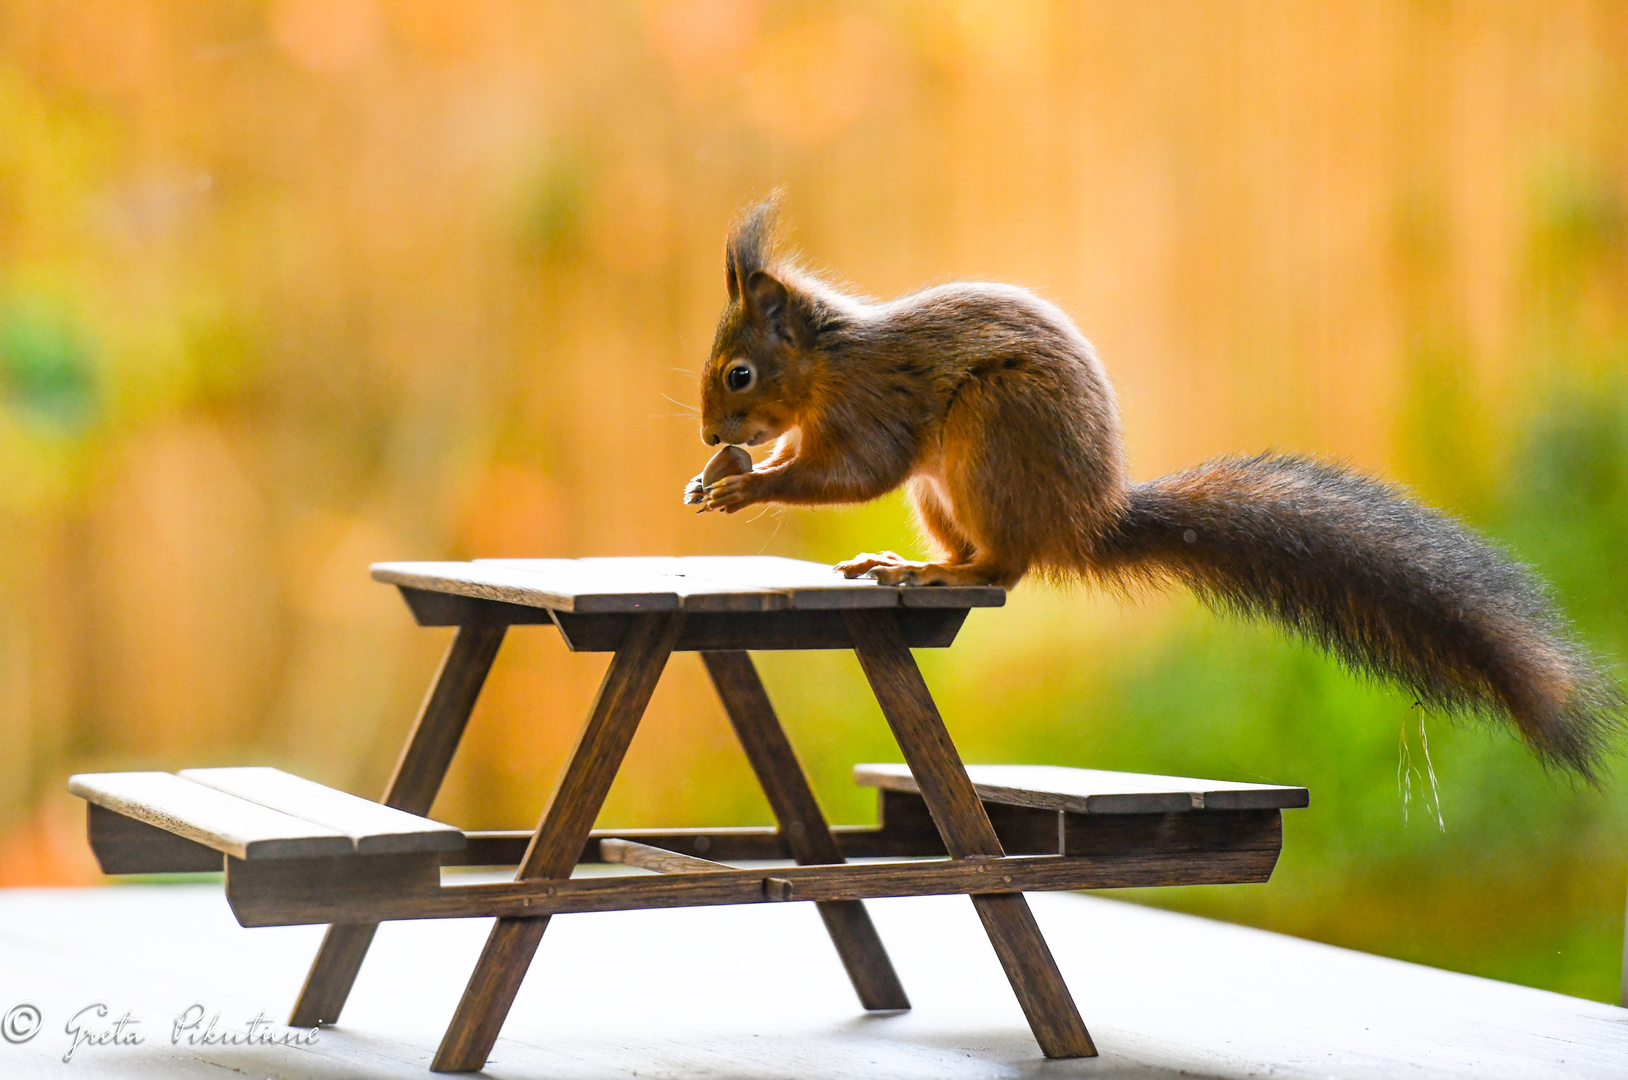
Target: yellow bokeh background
[301,285]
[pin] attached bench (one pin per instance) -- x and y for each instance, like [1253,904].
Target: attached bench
[157,823]
[297,852]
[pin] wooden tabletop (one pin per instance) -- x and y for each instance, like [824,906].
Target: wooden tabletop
[711,583]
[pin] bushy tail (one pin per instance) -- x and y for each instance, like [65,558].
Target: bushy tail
[1389,586]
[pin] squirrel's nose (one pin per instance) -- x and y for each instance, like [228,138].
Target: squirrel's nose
[714,439]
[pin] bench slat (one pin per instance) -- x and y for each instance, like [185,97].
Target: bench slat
[1098,791]
[212,818]
[374,828]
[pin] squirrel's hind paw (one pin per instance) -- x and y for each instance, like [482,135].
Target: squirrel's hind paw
[902,573]
[868,561]
[929,573]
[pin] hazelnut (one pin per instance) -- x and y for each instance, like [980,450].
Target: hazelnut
[730,461]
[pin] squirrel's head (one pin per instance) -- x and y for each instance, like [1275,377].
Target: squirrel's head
[752,385]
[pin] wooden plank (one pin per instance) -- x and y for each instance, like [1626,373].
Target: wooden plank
[1098,791]
[957,596]
[623,695]
[807,832]
[693,584]
[807,585]
[558,592]
[444,609]
[924,628]
[908,831]
[506,847]
[348,885]
[815,586]
[126,846]
[509,591]
[223,822]
[583,585]
[884,655]
[290,900]
[662,861]
[609,576]
[374,829]
[803,585]
[413,785]
[1172,834]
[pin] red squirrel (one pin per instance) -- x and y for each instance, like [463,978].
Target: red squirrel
[993,408]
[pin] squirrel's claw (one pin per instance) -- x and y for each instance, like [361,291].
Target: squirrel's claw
[728,493]
[863,564]
[899,573]
[694,492]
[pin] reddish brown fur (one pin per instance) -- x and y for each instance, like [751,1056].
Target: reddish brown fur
[994,410]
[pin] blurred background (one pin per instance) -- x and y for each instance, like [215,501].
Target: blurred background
[290,287]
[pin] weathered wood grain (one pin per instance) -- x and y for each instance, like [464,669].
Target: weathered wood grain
[602,579]
[213,818]
[445,609]
[124,845]
[506,847]
[807,832]
[1098,791]
[760,631]
[558,592]
[373,828]
[885,658]
[347,884]
[632,853]
[623,695]
[694,584]
[1172,834]
[291,899]
[806,585]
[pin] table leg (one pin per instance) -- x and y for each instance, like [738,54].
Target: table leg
[966,829]
[413,787]
[555,847]
[803,825]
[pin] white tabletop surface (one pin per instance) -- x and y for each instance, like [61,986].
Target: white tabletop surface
[758,992]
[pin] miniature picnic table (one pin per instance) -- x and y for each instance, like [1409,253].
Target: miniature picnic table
[298,852]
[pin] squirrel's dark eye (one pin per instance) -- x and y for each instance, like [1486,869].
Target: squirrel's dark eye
[740,377]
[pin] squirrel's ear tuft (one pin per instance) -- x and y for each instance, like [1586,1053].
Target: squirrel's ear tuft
[751,243]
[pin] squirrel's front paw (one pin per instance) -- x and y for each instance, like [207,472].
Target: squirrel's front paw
[729,494]
[694,491]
